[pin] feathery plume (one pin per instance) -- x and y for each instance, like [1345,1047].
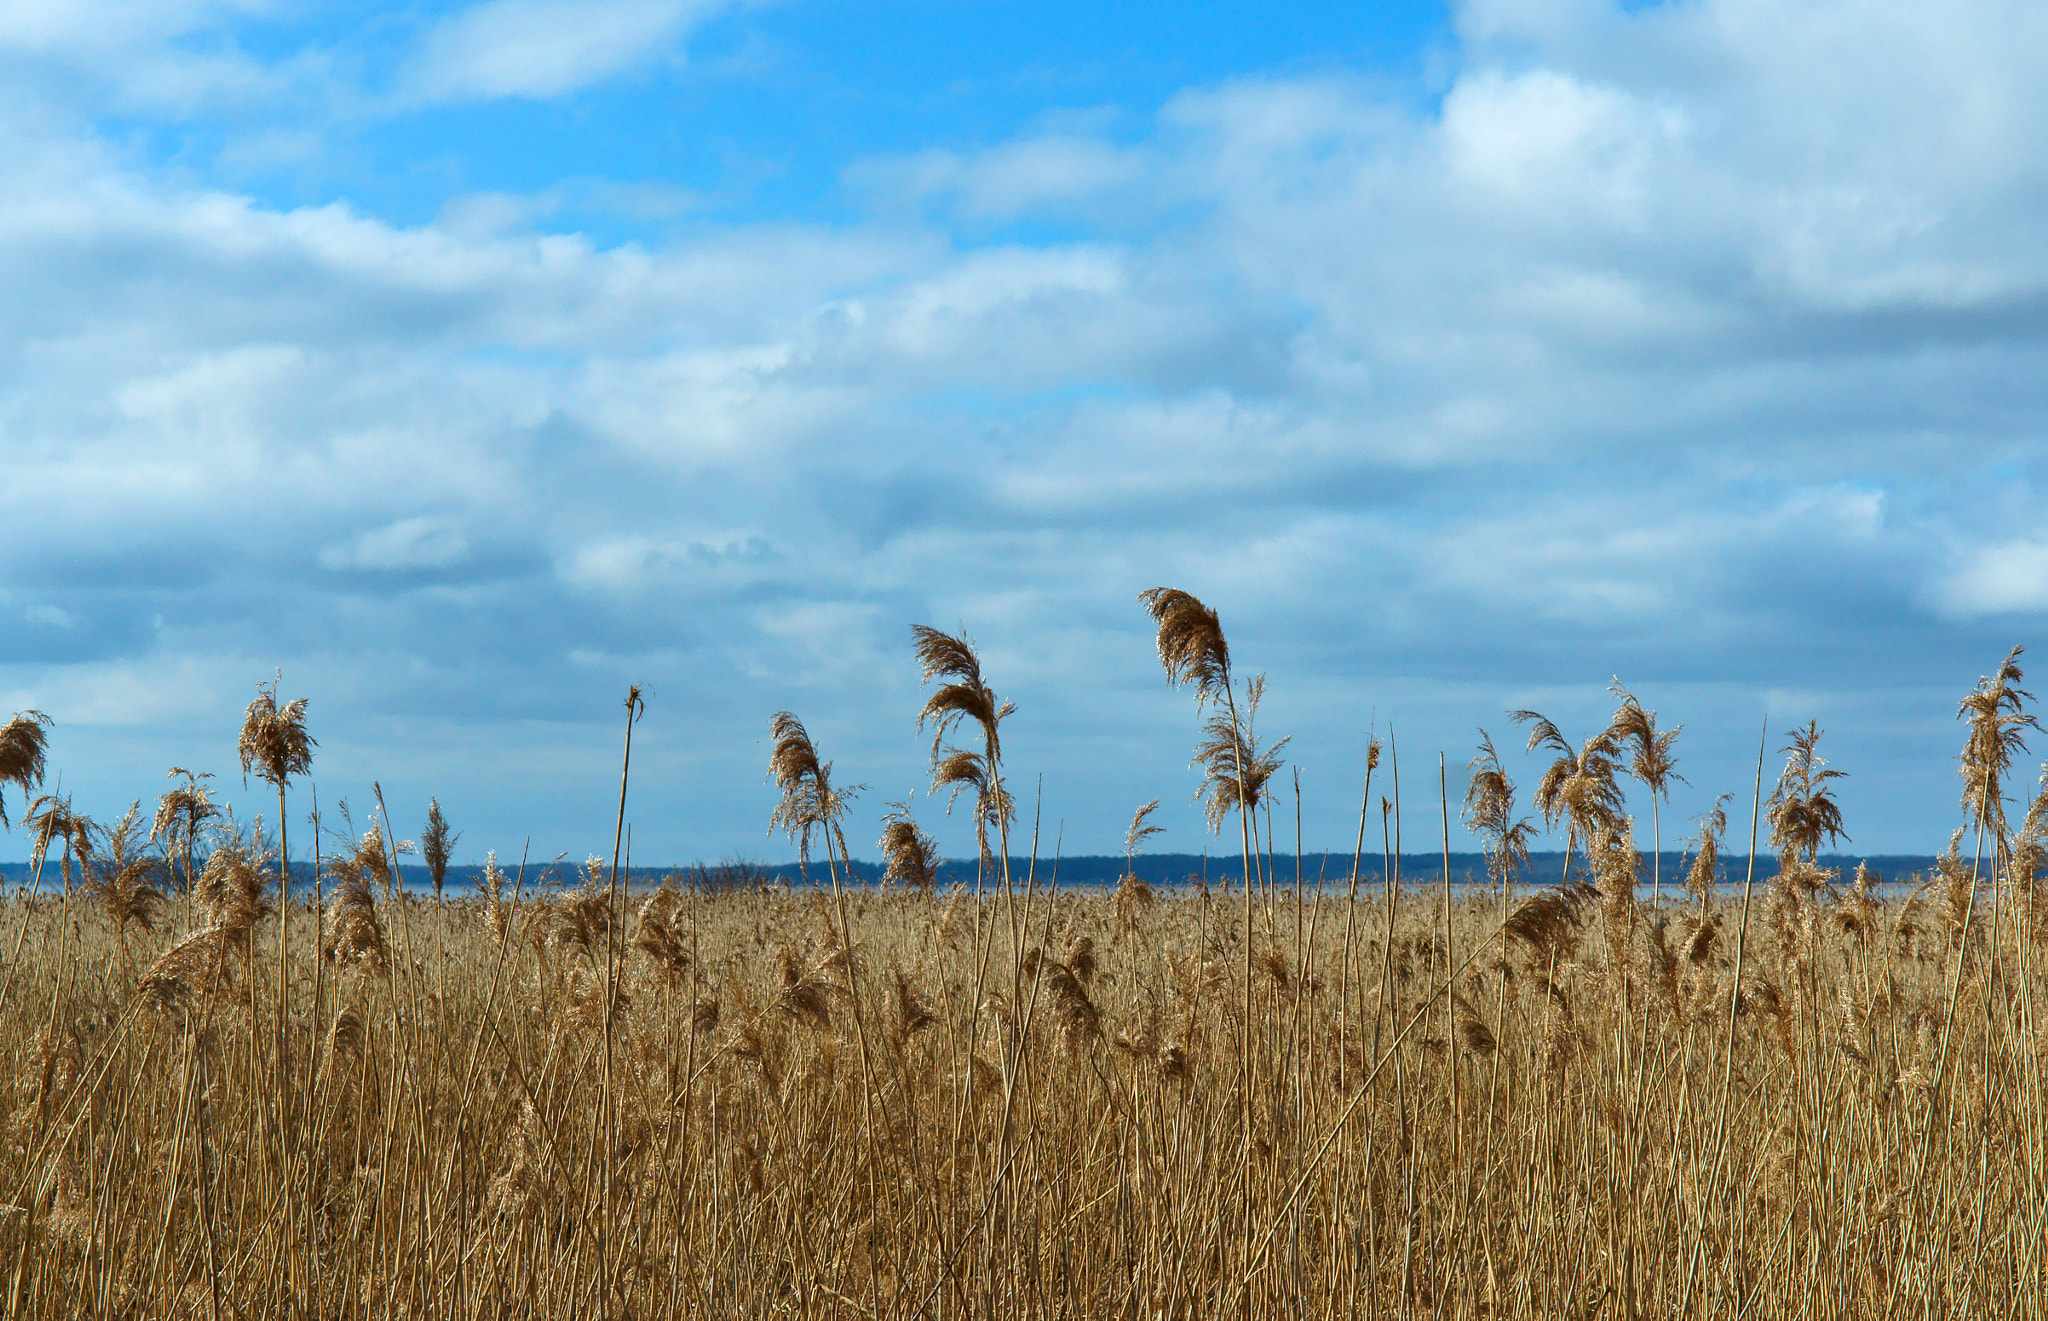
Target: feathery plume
[233,886]
[1549,923]
[1235,768]
[1650,762]
[1649,748]
[967,697]
[181,814]
[1191,644]
[24,749]
[122,877]
[274,741]
[1704,872]
[1802,809]
[1473,1034]
[51,821]
[1490,810]
[1998,721]
[1578,788]
[497,915]
[355,933]
[809,802]
[435,843]
[1140,831]
[912,855]
[655,934]
[193,968]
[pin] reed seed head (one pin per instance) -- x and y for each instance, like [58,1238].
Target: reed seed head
[24,751]
[1191,644]
[1802,809]
[274,740]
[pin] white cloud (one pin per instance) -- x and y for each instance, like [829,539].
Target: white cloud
[1546,140]
[544,48]
[638,563]
[1049,172]
[2009,577]
[410,543]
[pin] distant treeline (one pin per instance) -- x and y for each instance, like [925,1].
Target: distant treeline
[1159,869]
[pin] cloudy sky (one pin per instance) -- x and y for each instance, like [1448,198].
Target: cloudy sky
[469,363]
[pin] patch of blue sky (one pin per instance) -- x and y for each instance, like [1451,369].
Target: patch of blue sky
[755,113]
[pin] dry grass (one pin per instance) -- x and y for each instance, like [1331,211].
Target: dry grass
[1016,1102]
[1554,1127]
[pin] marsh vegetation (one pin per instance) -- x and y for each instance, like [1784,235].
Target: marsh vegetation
[1624,1095]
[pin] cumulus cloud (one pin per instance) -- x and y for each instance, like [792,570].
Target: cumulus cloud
[2005,578]
[410,543]
[543,48]
[1692,343]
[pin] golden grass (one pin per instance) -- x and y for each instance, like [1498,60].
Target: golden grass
[1555,1126]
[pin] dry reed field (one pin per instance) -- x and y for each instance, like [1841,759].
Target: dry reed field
[1371,1095]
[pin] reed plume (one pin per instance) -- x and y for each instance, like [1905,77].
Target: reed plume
[1191,644]
[1704,873]
[497,914]
[912,855]
[52,822]
[2026,857]
[1651,763]
[24,750]
[585,921]
[355,930]
[346,1035]
[1549,923]
[436,841]
[1140,831]
[1490,811]
[274,742]
[1998,721]
[960,772]
[1131,897]
[966,696]
[1076,1017]
[913,1015]
[809,803]
[192,970]
[1953,888]
[1858,915]
[655,934]
[1473,1034]
[1578,788]
[122,878]
[234,885]
[1802,809]
[1616,866]
[806,987]
[181,815]
[1235,769]
[1193,650]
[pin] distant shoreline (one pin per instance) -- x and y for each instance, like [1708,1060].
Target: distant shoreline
[1158,869]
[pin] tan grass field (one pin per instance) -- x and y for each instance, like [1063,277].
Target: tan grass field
[1447,1125]
[1818,1099]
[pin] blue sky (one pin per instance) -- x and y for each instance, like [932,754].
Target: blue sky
[469,363]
